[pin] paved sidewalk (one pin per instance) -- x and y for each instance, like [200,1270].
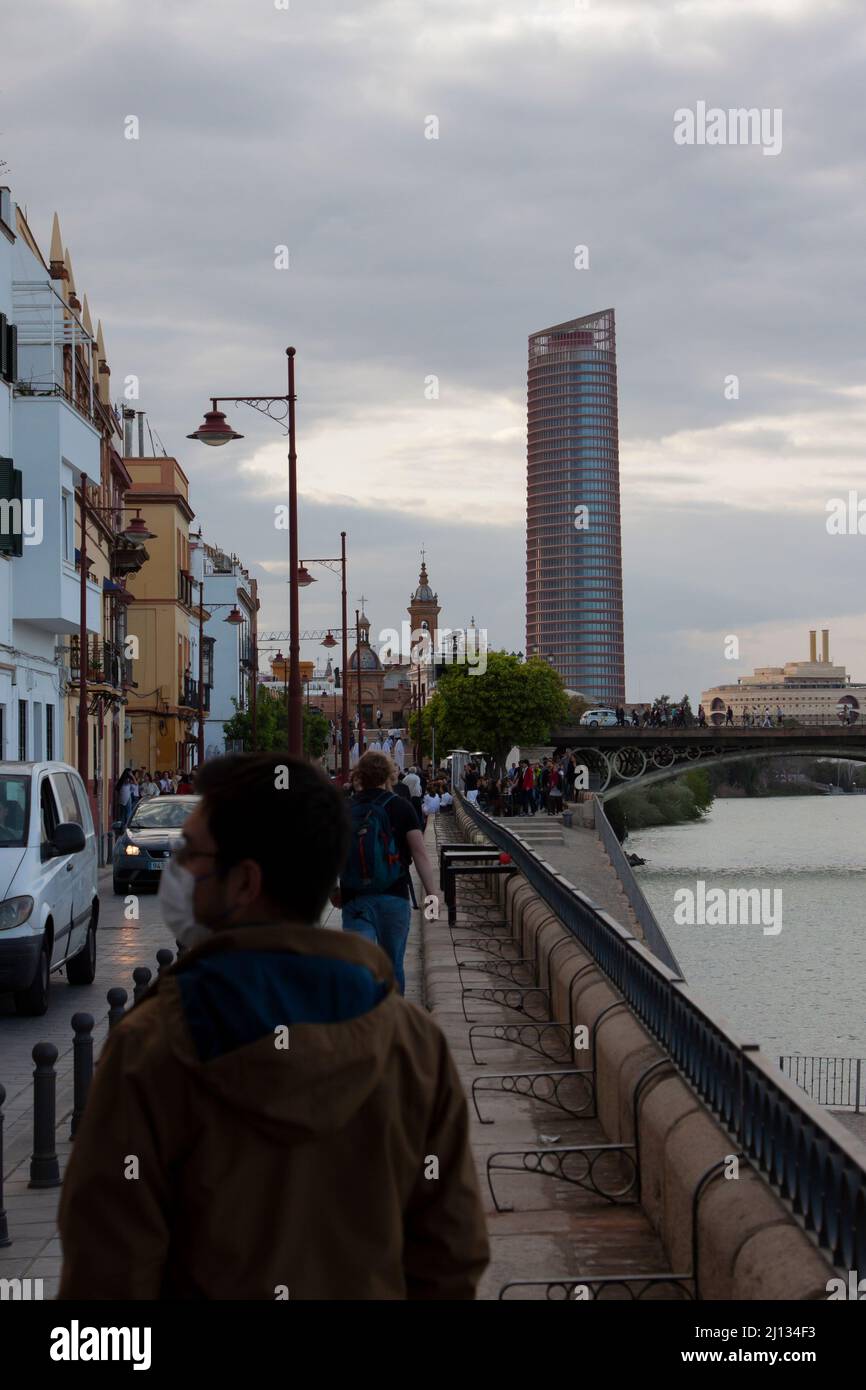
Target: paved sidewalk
[556,1228]
[583,860]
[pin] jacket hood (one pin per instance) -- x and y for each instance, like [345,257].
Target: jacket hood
[289,1026]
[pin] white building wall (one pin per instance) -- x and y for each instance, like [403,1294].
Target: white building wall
[220,596]
[39,593]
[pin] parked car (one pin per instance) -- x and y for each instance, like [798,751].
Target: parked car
[49,907]
[144,846]
[599,718]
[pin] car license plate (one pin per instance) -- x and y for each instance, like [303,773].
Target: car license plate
[158,863]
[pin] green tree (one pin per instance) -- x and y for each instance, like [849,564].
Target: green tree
[576,707]
[272,725]
[513,702]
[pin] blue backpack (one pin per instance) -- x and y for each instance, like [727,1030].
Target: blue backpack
[374,864]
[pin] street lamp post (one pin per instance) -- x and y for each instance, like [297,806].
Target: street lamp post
[215,430]
[360,711]
[344,748]
[304,579]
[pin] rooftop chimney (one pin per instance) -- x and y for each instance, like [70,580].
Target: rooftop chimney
[813,650]
[825,644]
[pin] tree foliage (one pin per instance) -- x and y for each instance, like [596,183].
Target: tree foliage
[513,702]
[272,725]
[669,802]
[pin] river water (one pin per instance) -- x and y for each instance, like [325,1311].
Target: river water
[804,988]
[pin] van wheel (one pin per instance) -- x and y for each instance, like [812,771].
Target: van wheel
[33,1001]
[81,969]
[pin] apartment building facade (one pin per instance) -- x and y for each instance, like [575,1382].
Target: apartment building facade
[162,710]
[228,625]
[49,439]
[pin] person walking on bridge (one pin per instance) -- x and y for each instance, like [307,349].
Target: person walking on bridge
[277,1097]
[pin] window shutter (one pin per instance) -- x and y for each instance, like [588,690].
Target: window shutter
[12,352]
[11,487]
[18,494]
[7,540]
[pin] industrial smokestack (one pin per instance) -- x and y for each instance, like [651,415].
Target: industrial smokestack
[127,431]
[140,414]
[825,644]
[813,650]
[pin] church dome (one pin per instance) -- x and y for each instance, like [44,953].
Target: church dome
[369,660]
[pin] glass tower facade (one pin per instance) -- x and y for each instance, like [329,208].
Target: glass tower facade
[573,544]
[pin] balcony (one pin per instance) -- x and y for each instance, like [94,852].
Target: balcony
[55,353]
[188,694]
[184,588]
[106,664]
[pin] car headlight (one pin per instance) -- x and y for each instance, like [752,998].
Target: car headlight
[132,849]
[14,911]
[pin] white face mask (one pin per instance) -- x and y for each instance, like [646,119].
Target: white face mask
[176,891]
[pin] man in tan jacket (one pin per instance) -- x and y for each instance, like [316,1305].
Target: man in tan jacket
[272,1120]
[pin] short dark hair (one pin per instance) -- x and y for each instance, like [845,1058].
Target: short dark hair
[284,814]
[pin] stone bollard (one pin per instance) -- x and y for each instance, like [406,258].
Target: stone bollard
[4,1224]
[142,977]
[44,1168]
[117,998]
[164,958]
[82,1066]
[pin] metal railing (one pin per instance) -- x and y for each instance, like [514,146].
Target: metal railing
[106,663]
[653,934]
[839,1082]
[804,1155]
[188,694]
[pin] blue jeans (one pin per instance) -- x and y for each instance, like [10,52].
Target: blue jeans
[384,919]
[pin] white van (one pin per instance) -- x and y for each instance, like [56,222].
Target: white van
[49,906]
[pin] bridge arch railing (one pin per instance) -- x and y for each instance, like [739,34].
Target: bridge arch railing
[805,1155]
[619,758]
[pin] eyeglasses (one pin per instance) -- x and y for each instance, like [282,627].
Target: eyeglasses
[183,851]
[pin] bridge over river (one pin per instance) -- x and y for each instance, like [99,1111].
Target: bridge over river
[620,756]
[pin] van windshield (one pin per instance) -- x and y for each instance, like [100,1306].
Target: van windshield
[14,810]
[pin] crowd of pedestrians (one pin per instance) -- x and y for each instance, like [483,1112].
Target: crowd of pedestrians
[529,788]
[136,784]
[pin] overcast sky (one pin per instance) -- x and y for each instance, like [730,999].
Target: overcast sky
[304,127]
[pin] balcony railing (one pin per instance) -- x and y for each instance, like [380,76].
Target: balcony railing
[184,589]
[54,349]
[188,694]
[106,664]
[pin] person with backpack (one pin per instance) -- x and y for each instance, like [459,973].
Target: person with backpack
[385,841]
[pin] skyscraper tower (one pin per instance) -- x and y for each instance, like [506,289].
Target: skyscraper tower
[573,544]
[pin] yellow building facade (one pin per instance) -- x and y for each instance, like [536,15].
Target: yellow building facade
[162,708]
